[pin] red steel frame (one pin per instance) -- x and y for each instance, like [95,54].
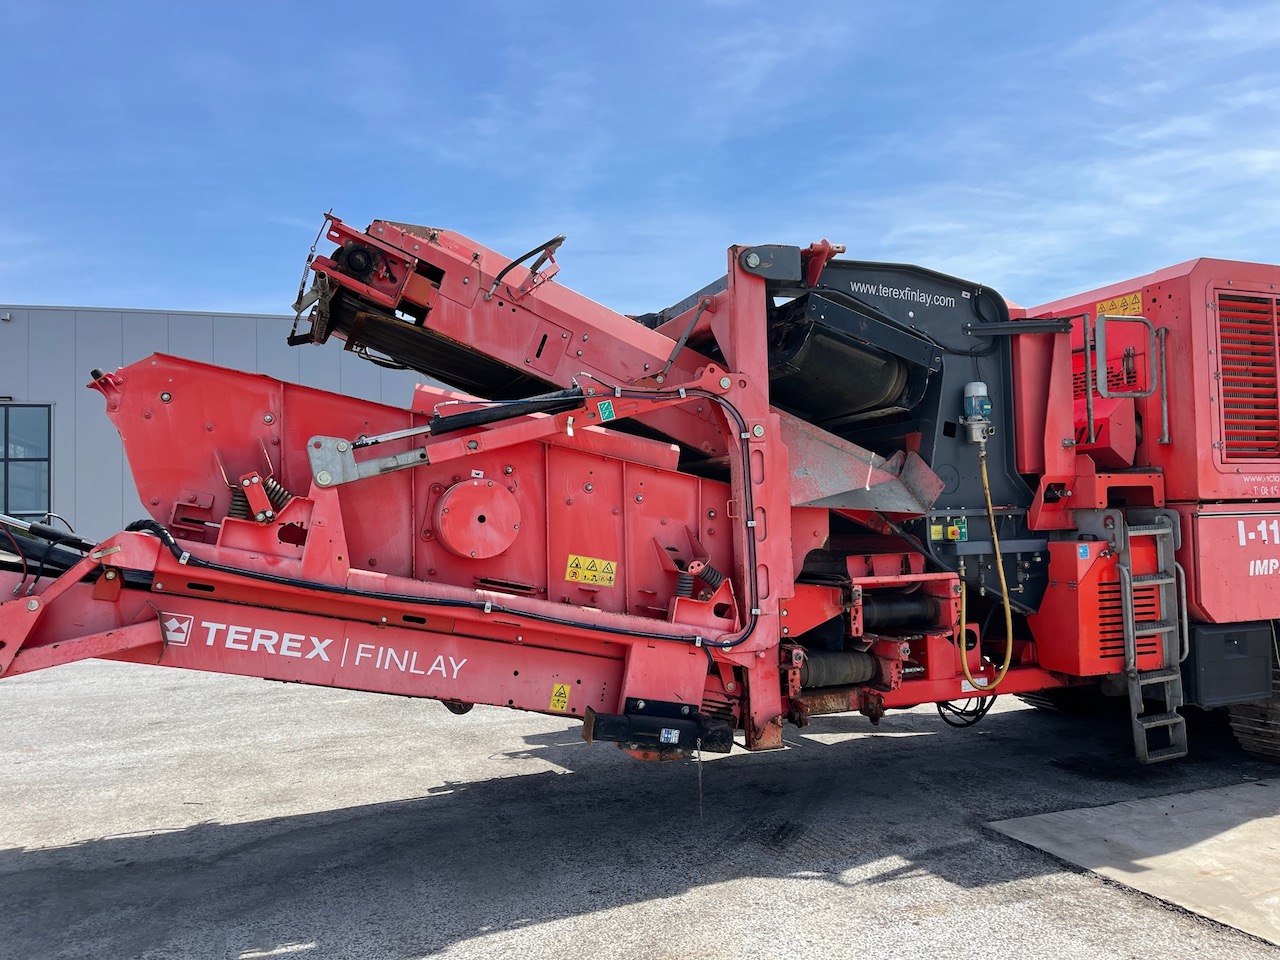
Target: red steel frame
[1227,504]
[363,586]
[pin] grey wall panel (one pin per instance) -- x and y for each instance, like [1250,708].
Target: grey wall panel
[318,366]
[357,377]
[143,335]
[235,343]
[397,387]
[275,357]
[14,353]
[191,336]
[99,486]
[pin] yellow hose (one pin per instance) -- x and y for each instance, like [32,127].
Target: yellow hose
[1004,594]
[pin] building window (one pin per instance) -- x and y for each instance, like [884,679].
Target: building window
[25,452]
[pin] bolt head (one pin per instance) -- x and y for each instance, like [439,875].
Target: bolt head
[166,397]
[110,575]
[268,418]
[342,446]
[758,430]
[324,478]
[753,260]
[33,604]
[725,383]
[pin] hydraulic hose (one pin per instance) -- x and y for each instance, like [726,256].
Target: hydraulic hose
[1004,592]
[184,557]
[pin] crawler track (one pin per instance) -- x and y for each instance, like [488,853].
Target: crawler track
[1257,725]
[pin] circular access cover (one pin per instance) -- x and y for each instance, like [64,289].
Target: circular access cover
[477,518]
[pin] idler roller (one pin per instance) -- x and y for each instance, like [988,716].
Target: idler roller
[836,668]
[897,609]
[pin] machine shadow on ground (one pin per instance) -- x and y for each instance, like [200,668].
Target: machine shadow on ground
[470,859]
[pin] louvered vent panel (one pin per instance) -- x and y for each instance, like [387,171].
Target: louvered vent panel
[1146,606]
[1118,378]
[1250,409]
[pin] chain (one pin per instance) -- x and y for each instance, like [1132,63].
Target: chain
[311,256]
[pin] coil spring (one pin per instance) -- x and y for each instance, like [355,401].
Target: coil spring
[277,496]
[711,576]
[684,584]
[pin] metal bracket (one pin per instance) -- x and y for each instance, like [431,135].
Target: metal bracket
[333,462]
[1011,328]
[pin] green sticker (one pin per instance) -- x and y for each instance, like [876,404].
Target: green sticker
[606,411]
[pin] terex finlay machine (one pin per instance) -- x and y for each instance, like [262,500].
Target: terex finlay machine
[814,486]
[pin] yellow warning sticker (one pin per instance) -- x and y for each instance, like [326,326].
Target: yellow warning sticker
[591,570]
[1130,305]
[559,697]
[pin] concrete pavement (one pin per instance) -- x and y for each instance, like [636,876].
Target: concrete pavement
[159,814]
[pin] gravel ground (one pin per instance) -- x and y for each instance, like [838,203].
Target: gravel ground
[164,814]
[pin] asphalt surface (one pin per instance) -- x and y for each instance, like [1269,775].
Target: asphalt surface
[165,814]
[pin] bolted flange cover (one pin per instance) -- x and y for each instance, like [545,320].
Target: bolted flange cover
[477,519]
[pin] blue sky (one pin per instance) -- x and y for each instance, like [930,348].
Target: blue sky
[179,155]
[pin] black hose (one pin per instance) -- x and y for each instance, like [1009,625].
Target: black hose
[184,557]
[556,402]
[550,247]
[962,713]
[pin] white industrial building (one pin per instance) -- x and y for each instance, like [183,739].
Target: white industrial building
[60,453]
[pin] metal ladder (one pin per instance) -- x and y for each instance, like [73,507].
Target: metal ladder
[1162,685]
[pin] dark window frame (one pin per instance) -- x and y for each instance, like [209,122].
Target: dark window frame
[5,460]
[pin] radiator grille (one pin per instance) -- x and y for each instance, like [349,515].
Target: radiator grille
[1250,409]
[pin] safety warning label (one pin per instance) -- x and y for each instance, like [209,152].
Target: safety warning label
[1130,305]
[591,570]
[559,697]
